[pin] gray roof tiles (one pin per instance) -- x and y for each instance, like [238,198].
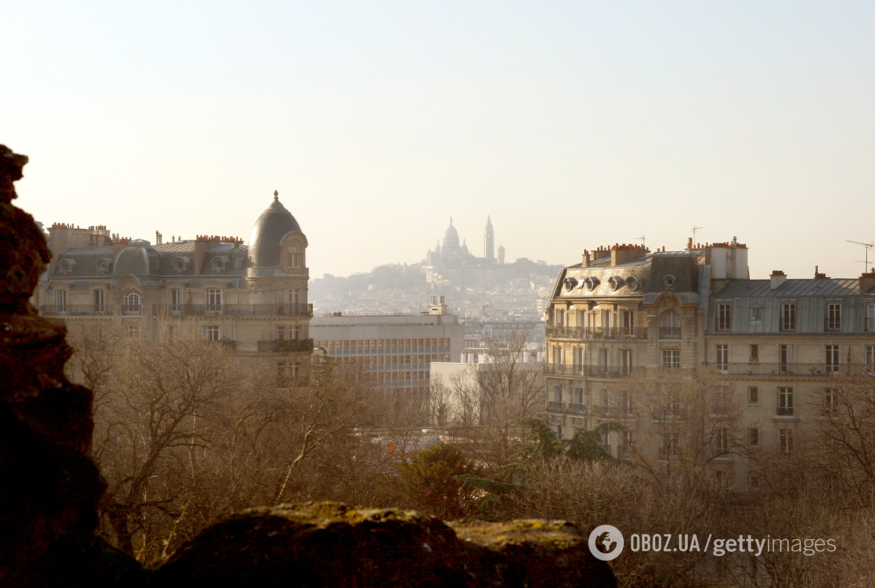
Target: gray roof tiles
[790,288]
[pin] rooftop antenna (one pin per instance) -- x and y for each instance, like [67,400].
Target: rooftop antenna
[643,242]
[867,246]
[695,228]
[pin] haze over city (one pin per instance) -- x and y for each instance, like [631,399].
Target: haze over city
[572,124]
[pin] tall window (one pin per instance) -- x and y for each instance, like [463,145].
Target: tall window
[625,356]
[557,393]
[211,333]
[98,297]
[870,317]
[603,360]
[870,356]
[627,322]
[131,303]
[722,358]
[213,298]
[281,333]
[785,358]
[753,395]
[724,316]
[785,401]
[833,316]
[175,300]
[788,316]
[607,317]
[671,443]
[670,325]
[671,358]
[753,355]
[831,359]
[785,440]
[721,440]
[829,401]
[61,300]
[753,437]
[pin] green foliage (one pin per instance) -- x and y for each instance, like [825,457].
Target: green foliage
[542,442]
[434,481]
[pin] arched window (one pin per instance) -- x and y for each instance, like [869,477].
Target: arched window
[131,303]
[670,325]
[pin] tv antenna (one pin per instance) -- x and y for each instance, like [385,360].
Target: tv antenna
[695,228]
[643,242]
[867,246]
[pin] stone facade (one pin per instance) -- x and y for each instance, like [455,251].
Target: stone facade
[773,344]
[252,298]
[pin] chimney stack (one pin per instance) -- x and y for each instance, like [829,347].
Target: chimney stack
[777,278]
[867,281]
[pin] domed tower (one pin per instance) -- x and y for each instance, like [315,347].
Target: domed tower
[489,241]
[278,274]
[451,240]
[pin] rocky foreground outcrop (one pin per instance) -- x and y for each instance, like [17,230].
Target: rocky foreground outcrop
[330,544]
[50,488]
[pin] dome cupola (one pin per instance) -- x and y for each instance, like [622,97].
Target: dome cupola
[268,233]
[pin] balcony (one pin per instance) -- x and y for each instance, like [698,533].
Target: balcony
[75,310]
[285,346]
[555,406]
[598,333]
[278,310]
[791,369]
[589,371]
[785,411]
[131,309]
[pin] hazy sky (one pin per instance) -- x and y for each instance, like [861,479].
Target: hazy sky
[574,124]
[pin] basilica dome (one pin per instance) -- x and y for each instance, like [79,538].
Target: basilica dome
[271,227]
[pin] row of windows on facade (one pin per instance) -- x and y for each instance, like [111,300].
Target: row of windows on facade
[369,344]
[671,358]
[399,360]
[832,319]
[669,321]
[786,356]
[212,298]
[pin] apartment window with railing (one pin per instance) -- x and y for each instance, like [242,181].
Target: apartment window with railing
[785,401]
[721,358]
[213,298]
[175,299]
[785,358]
[98,297]
[870,317]
[671,358]
[833,316]
[131,303]
[831,359]
[625,357]
[557,393]
[670,325]
[788,316]
[559,319]
[724,316]
[753,437]
[627,321]
[61,300]
[785,440]
[753,355]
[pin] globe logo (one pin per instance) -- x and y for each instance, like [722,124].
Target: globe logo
[606,542]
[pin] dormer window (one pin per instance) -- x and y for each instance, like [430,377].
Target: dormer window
[131,303]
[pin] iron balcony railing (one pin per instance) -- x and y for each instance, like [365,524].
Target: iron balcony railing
[790,369]
[589,371]
[285,346]
[131,309]
[669,332]
[75,310]
[785,411]
[232,309]
[613,333]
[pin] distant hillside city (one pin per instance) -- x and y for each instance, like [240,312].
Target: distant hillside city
[475,288]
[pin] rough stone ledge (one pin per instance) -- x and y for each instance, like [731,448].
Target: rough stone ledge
[320,544]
